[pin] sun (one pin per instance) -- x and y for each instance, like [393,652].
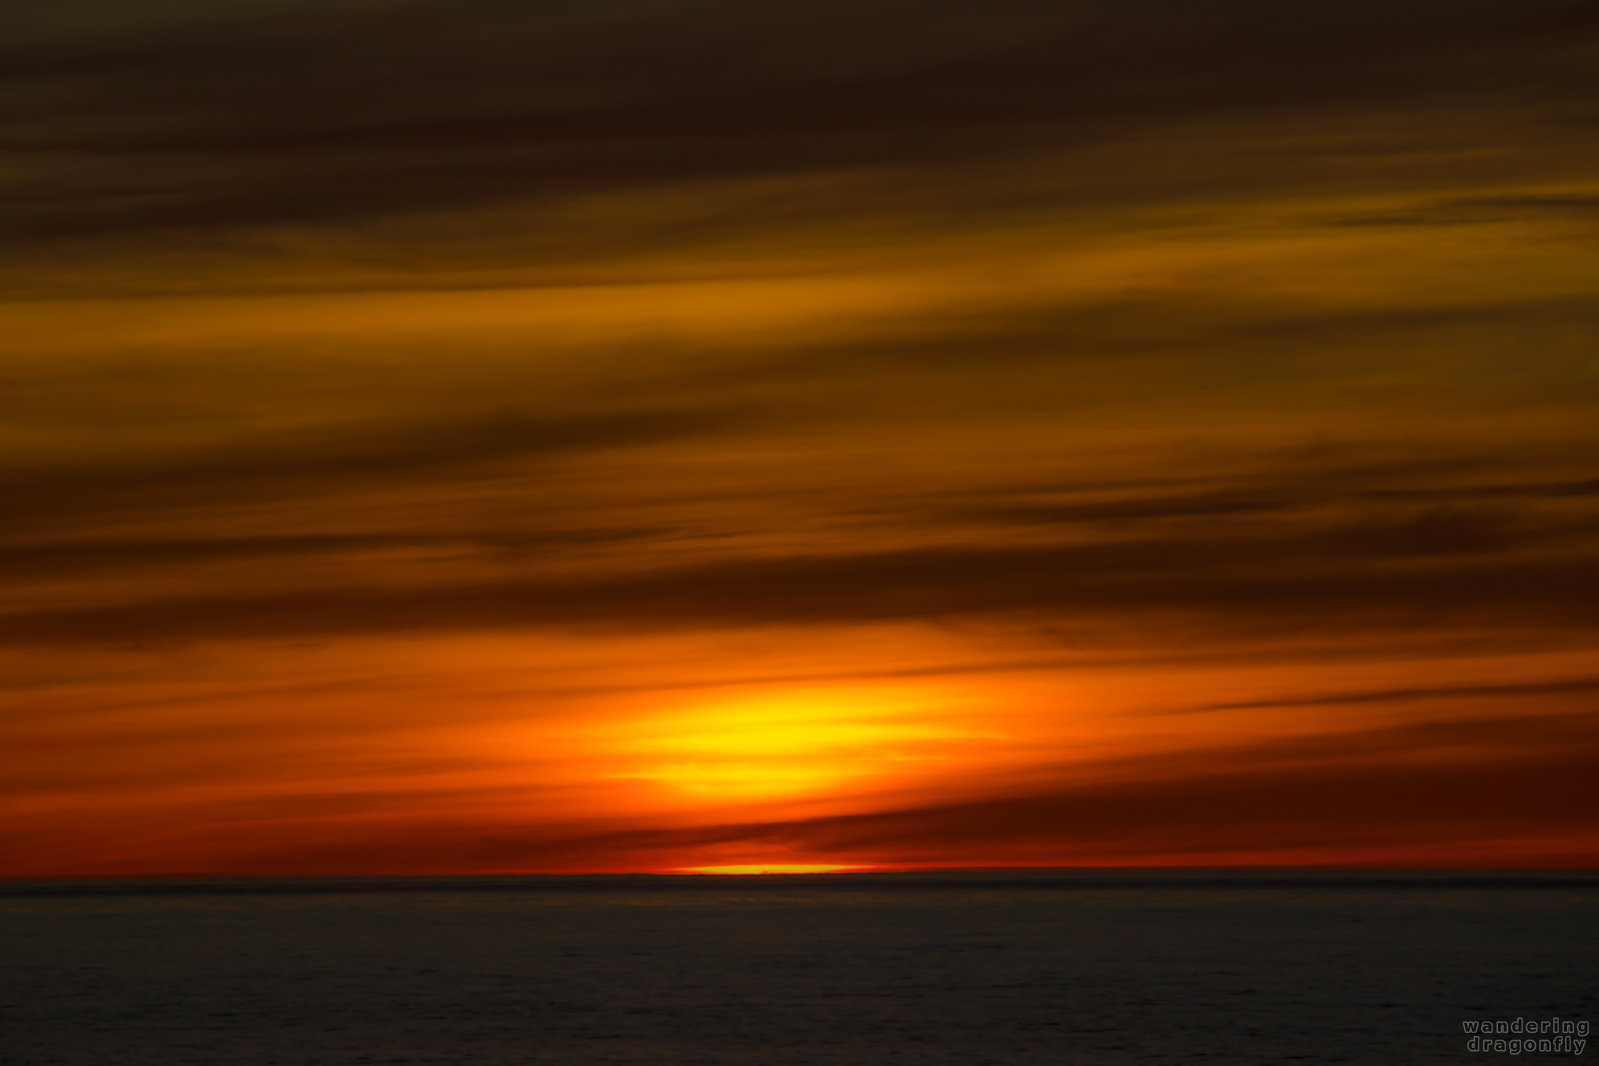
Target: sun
[789,745]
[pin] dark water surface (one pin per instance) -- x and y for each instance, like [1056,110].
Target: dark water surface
[957,969]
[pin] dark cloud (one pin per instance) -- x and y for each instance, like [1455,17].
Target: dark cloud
[1528,202]
[1391,523]
[1440,692]
[456,69]
[1476,210]
[1132,348]
[342,459]
[1435,531]
[343,112]
[1554,490]
[1230,583]
[1123,509]
[61,556]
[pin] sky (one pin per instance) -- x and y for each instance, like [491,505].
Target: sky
[650,435]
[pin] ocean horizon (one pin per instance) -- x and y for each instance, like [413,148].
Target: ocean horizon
[976,877]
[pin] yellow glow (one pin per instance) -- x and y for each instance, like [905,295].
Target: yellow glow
[744,779]
[788,745]
[770,868]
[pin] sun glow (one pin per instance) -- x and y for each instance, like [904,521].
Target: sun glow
[792,745]
[771,868]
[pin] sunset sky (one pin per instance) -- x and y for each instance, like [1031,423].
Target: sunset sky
[647,435]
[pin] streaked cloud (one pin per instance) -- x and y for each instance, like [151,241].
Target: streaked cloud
[409,406]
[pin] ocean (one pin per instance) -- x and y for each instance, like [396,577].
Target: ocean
[963,969]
